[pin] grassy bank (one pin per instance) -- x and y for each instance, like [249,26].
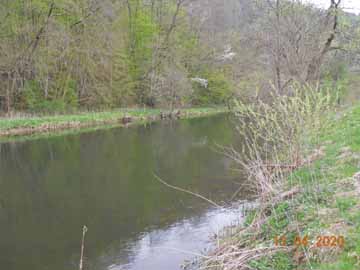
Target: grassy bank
[26,125]
[303,225]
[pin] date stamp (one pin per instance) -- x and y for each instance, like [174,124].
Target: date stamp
[321,241]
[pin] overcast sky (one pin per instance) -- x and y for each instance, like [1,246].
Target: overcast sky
[348,5]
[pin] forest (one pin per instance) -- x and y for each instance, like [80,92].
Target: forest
[69,55]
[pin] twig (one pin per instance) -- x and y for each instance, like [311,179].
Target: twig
[85,229]
[187,191]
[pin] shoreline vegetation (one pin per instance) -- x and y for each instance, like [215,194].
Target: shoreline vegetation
[310,218]
[17,126]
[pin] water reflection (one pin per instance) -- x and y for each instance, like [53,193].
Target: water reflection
[170,247]
[50,188]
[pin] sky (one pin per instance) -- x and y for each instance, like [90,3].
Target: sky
[348,5]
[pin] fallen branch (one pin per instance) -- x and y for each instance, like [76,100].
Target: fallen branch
[85,229]
[187,191]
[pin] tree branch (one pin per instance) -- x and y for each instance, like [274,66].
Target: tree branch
[34,44]
[187,191]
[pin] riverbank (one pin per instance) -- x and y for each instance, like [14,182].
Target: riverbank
[29,125]
[314,220]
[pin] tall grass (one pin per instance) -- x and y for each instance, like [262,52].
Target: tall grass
[280,137]
[280,134]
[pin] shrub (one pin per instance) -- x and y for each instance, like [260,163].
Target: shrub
[217,92]
[277,134]
[35,101]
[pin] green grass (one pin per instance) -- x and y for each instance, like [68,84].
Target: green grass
[19,122]
[94,118]
[329,203]
[340,197]
[281,261]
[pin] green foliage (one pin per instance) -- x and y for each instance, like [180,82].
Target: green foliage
[125,53]
[322,181]
[32,94]
[50,106]
[143,31]
[87,54]
[217,92]
[95,119]
[345,204]
[344,264]
[340,134]
[70,97]
[250,216]
[336,80]
[279,261]
[278,221]
[35,100]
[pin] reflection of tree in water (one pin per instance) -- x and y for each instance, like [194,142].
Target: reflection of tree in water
[51,188]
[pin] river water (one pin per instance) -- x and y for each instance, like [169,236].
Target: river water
[50,188]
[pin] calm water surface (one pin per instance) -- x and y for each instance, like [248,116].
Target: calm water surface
[50,188]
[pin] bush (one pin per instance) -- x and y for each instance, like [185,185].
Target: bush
[32,94]
[35,101]
[278,134]
[217,92]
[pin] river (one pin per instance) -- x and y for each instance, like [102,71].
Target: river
[50,188]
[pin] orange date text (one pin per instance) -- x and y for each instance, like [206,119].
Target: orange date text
[329,241]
